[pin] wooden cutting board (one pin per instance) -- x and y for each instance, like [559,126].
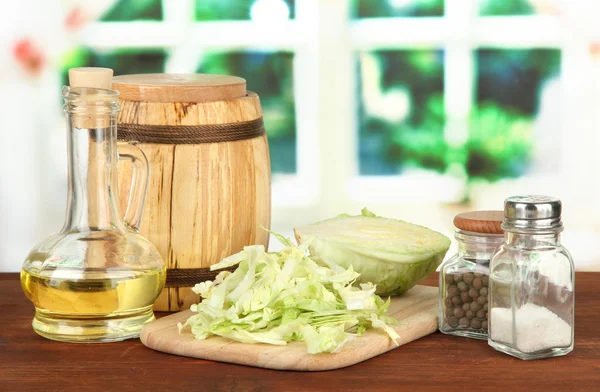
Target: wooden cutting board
[416,312]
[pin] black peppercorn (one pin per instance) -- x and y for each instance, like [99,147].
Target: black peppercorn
[484,324]
[474,293]
[457,277]
[475,324]
[456,300]
[478,283]
[475,306]
[464,322]
[483,291]
[448,301]
[465,297]
[453,322]
[468,278]
[481,314]
[449,279]
[459,312]
[469,314]
[485,306]
[452,290]
[462,286]
[485,281]
[449,312]
[478,274]
[481,300]
[466,306]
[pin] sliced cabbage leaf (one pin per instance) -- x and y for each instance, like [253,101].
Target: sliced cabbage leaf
[393,254]
[285,296]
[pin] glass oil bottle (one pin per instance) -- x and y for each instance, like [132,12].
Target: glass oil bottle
[97,279]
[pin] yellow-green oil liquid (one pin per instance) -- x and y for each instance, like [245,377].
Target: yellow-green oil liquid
[92,306]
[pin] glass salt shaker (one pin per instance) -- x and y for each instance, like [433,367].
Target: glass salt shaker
[532,282]
[464,278]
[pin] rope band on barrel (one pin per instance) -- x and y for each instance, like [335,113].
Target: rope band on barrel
[188,277]
[191,134]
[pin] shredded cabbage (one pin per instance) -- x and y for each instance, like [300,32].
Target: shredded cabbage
[279,297]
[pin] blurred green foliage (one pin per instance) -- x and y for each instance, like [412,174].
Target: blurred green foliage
[499,142]
[391,8]
[512,77]
[509,83]
[209,10]
[505,7]
[128,10]
[270,75]
[499,127]
[422,133]
[387,148]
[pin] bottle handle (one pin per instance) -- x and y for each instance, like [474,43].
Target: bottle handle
[139,182]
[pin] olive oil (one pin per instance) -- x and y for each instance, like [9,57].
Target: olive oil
[88,305]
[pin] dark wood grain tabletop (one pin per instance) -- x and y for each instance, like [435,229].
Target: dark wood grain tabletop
[436,362]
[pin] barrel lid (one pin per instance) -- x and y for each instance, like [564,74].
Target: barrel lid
[480,221]
[179,87]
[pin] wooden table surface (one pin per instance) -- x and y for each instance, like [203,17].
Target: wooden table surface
[436,362]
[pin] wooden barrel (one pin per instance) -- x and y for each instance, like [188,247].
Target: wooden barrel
[209,188]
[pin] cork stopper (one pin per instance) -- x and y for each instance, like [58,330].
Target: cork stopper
[488,222]
[91,77]
[90,91]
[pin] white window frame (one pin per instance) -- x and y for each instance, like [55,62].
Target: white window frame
[325,42]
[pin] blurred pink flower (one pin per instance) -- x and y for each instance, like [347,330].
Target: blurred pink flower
[35,42]
[29,56]
[75,19]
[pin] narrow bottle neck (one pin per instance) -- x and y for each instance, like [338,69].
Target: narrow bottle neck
[532,240]
[477,246]
[92,158]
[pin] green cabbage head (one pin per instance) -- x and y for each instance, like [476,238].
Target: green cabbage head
[393,254]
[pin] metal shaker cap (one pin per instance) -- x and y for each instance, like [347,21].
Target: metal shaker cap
[532,212]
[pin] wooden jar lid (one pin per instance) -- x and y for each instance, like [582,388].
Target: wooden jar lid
[480,221]
[179,87]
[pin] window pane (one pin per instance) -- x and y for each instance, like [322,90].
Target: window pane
[401,111]
[127,10]
[270,76]
[269,10]
[505,7]
[390,8]
[511,84]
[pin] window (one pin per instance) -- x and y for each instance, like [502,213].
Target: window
[415,108]
[401,114]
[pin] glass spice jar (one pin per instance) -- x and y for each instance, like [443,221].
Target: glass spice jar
[532,282]
[464,278]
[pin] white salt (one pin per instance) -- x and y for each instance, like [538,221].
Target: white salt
[537,328]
